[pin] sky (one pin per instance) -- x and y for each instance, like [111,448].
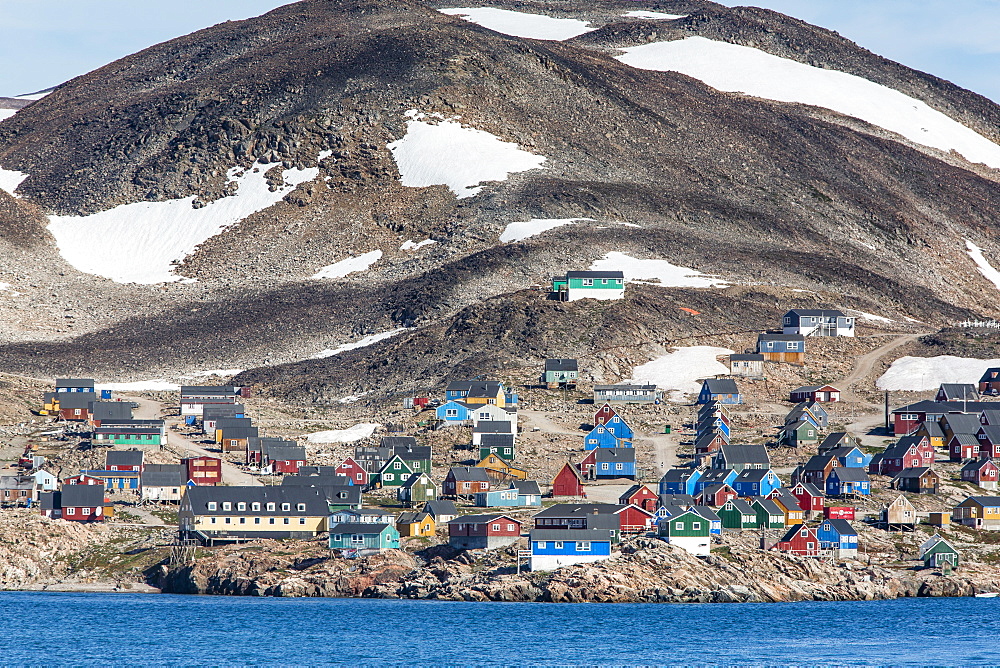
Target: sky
[46,42]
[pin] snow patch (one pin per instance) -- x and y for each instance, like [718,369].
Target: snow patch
[530,228]
[7,113]
[154,385]
[349,435]
[323,155]
[215,372]
[655,16]
[985,268]
[680,371]
[351,399]
[669,275]
[742,69]
[10,180]
[410,245]
[150,238]
[349,266]
[874,318]
[917,374]
[521,24]
[34,96]
[461,158]
[361,343]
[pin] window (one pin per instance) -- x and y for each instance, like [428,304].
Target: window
[270,506]
[270,520]
[496,527]
[243,520]
[360,476]
[302,520]
[256,520]
[286,520]
[540,544]
[255,506]
[696,526]
[587,282]
[604,467]
[301,507]
[228,521]
[604,281]
[618,466]
[212,520]
[810,546]
[226,505]
[583,546]
[241,506]
[286,507]
[510,527]
[84,511]
[451,412]
[679,526]
[804,533]
[559,545]
[397,465]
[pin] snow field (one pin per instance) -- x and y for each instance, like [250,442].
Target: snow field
[349,435]
[361,343]
[654,16]
[7,113]
[410,245]
[679,372]
[523,230]
[349,266]
[10,180]
[669,275]
[154,385]
[916,374]
[149,238]
[985,268]
[521,24]
[741,69]
[446,153]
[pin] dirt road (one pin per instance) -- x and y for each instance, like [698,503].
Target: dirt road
[864,365]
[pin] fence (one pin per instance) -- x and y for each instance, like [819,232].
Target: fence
[979,324]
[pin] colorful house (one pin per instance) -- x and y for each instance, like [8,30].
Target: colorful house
[782,347]
[560,373]
[418,488]
[899,514]
[497,444]
[920,480]
[810,498]
[364,538]
[716,495]
[640,495]
[442,510]
[989,439]
[794,514]
[907,453]
[614,463]
[720,390]
[817,322]
[453,411]
[679,481]
[608,436]
[957,392]
[465,481]
[963,446]
[799,540]
[82,503]
[688,531]
[936,552]
[715,476]
[354,471]
[714,521]
[529,494]
[589,285]
[851,456]
[769,514]
[844,481]
[737,514]
[483,532]
[989,382]
[203,470]
[838,535]
[978,512]
[820,393]
[796,434]
[739,457]
[416,523]
[394,472]
[604,414]
[555,548]
[982,472]
[756,482]
[499,470]
[626,394]
[497,498]
[568,482]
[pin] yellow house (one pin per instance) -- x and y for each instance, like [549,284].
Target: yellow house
[498,468]
[978,512]
[790,507]
[222,513]
[416,523]
[933,432]
[477,392]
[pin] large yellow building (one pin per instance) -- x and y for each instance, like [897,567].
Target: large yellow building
[212,514]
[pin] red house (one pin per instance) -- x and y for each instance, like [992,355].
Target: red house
[838,513]
[605,414]
[800,540]
[982,472]
[809,496]
[568,482]
[989,440]
[83,479]
[82,503]
[820,393]
[587,465]
[465,481]
[483,532]
[640,495]
[354,471]
[909,452]
[204,470]
[716,495]
[633,519]
[964,446]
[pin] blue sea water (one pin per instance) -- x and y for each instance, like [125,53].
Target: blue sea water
[150,629]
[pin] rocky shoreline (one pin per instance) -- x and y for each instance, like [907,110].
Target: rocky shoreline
[646,571]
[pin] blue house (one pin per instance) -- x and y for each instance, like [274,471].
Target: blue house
[756,482]
[614,463]
[497,498]
[528,493]
[844,480]
[611,435]
[679,481]
[555,548]
[715,476]
[851,456]
[669,510]
[454,411]
[721,390]
[711,422]
[116,479]
[838,535]
[781,347]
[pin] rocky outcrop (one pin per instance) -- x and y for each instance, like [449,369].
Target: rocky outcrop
[647,570]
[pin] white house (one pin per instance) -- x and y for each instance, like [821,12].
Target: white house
[44,481]
[817,322]
[589,285]
[494,413]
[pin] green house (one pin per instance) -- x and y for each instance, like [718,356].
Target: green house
[373,537]
[560,373]
[128,435]
[769,514]
[394,472]
[418,488]
[501,445]
[936,552]
[589,284]
[799,433]
[689,531]
[737,514]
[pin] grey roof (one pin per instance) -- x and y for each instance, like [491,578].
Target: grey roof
[961,422]
[286,453]
[826,313]
[715,474]
[133,422]
[991,432]
[441,507]
[811,489]
[412,517]
[493,427]
[706,512]
[526,487]
[614,455]
[561,365]
[676,499]
[769,506]
[318,470]
[224,422]
[359,527]
[579,509]
[17,482]
[316,481]
[746,357]
[714,488]
[411,452]
[959,391]
[976,464]
[496,440]
[414,477]
[707,437]
[127,429]
[468,474]
[398,441]
[722,386]
[107,410]
[819,462]
[985,500]
[752,475]
[592,535]
[677,475]
[51,500]
[239,432]
[961,439]
[213,411]
[769,336]
[850,474]
[163,475]
[646,388]
[124,458]
[76,399]
[200,496]
[842,527]
[742,506]
[934,429]
[481,519]
[74,382]
[914,472]
[837,439]
[208,390]
[745,454]
[83,496]
[265,443]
